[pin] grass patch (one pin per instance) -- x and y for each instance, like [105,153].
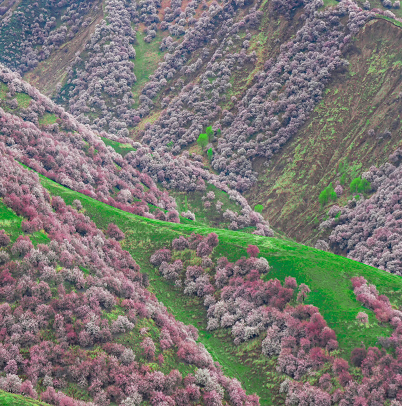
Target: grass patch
[327,275]
[23,100]
[11,224]
[48,119]
[122,149]
[147,57]
[10,399]
[3,90]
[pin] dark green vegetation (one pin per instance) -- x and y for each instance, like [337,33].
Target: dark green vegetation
[202,140]
[359,185]
[326,274]
[348,171]
[258,208]
[327,195]
[210,154]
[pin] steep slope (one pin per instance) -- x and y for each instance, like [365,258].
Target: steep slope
[124,173]
[33,32]
[51,72]
[336,139]
[326,274]
[78,325]
[171,70]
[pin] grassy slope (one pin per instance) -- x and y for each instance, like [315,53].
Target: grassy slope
[336,131]
[11,223]
[53,70]
[11,399]
[122,149]
[147,57]
[327,275]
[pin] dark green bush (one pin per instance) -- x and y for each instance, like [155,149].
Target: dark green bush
[359,185]
[259,208]
[202,140]
[326,195]
[210,154]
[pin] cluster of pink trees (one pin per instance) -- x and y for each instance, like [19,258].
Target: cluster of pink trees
[55,298]
[107,73]
[236,297]
[273,109]
[370,230]
[380,383]
[184,174]
[74,156]
[370,298]
[30,33]
[101,82]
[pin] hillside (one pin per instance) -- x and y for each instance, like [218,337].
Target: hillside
[166,168]
[78,323]
[267,26]
[326,274]
[11,399]
[114,169]
[337,134]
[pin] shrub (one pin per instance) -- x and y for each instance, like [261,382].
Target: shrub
[322,245]
[252,250]
[161,255]
[210,133]
[22,246]
[202,140]
[180,243]
[339,190]
[326,195]
[360,185]
[114,232]
[210,154]
[212,240]
[362,317]
[357,356]
[4,239]
[258,208]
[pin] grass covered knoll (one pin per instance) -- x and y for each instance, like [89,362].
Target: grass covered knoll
[11,399]
[326,274]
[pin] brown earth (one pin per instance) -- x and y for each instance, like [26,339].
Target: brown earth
[52,71]
[362,97]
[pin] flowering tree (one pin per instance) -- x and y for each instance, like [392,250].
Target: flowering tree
[52,294]
[4,239]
